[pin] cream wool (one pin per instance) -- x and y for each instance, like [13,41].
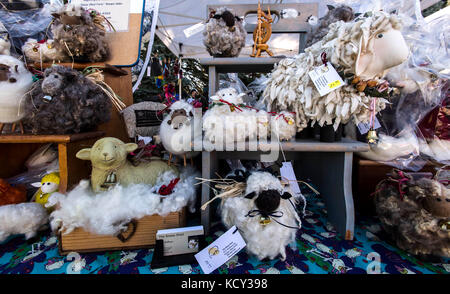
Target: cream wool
[280,126]
[45,52]
[108,212]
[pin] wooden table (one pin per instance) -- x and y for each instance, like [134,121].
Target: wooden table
[15,149]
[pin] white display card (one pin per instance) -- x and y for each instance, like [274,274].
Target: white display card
[288,175]
[326,79]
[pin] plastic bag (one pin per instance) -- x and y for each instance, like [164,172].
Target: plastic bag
[231,80]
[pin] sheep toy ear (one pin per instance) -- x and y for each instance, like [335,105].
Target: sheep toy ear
[130,147]
[364,58]
[36,185]
[286,195]
[84,154]
[250,195]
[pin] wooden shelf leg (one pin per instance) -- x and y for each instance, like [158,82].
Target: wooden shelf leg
[209,166]
[2,125]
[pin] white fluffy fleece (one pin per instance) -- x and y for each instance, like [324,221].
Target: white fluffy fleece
[12,95]
[23,218]
[42,52]
[280,126]
[106,213]
[263,241]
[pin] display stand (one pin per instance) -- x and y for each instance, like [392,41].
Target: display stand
[328,165]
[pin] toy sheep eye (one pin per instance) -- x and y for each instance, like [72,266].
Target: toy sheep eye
[379,36]
[448,199]
[55,76]
[438,199]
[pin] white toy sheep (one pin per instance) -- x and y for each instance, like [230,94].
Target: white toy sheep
[282,126]
[365,48]
[15,82]
[23,218]
[42,51]
[265,216]
[178,130]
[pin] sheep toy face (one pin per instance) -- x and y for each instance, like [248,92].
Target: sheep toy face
[268,201]
[178,118]
[107,152]
[228,94]
[52,83]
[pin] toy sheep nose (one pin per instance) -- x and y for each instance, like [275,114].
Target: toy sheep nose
[105,154]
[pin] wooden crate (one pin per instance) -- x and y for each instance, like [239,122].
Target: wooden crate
[144,236]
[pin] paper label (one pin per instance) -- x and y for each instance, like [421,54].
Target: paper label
[326,79]
[221,250]
[180,240]
[116,11]
[365,127]
[288,175]
[195,29]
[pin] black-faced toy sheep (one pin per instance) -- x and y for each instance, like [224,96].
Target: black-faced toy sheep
[65,102]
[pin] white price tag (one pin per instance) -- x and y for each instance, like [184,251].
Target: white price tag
[326,79]
[221,250]
[365,127]
[195,29]
[288,175]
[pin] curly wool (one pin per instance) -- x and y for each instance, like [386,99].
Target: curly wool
[221,40]
[290,87]
[257,237]
[85,41]
[77,104]
[45,52]
[107,213]
[23,218]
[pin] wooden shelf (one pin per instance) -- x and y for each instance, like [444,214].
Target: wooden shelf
[49,138]
[242,64]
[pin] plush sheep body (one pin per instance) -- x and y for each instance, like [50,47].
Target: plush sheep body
[42,52]
[282,126]
[110,165]
[351,47]
[106,213]
[23,218]
[225,36]
[15,84]
[64,102]
[259,238]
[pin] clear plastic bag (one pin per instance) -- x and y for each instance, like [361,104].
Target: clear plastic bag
[231,80]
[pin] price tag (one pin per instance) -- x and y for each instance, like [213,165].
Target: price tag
[195,29]
[326,79]
[221,250]
[365,127]
[288,175]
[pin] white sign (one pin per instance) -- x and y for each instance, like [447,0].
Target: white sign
[326,79]
[220,251]
[116,11]
[288,175]
[195,29]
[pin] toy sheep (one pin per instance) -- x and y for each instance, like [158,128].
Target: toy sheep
[48,185]
[15,82]
[179,129]
[44,51]
[23,218]
[282,126]
[80,34]
[224,35]
[65,102]
[363,49]
[264,215]
[415,213]
[5,43]
[110,165]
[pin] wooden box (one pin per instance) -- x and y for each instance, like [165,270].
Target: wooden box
[144,235]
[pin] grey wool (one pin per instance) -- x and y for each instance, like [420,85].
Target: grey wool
[224,35]
[65,102]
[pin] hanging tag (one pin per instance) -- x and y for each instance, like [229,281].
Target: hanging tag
[221,250]
[195,29]
[365,127]
[288,175]
[326,79]
[148,71]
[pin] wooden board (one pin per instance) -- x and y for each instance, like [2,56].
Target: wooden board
[49,138]
[144,237]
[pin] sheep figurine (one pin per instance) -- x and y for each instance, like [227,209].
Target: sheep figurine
[363,49]
[23,218]
[48,185]
[80,34]
[65,101]
[179,129]
[5,43]
[224,35]
[110,165]
[282,126]
[15,83]
[415,213]
[265,216]
[44,51]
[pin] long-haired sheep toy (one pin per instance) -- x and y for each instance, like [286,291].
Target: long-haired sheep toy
[365,49]
[415,213]
[65,102]
[78,33]
[224,35]
[265,216]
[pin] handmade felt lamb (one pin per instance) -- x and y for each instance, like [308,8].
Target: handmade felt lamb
[44,51]
[81,34]
[282,126]
[265,215]
[65,102]
[361,51]
[179,129]
[110,165]
[224,35]
[23,218]
[228,119]
[415,213]
[15,83]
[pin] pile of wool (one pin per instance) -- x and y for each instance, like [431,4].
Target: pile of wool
[224,35]
[108,212]
[349,47]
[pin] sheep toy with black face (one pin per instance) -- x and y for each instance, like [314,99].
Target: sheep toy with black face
[65,102]
[264,213]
